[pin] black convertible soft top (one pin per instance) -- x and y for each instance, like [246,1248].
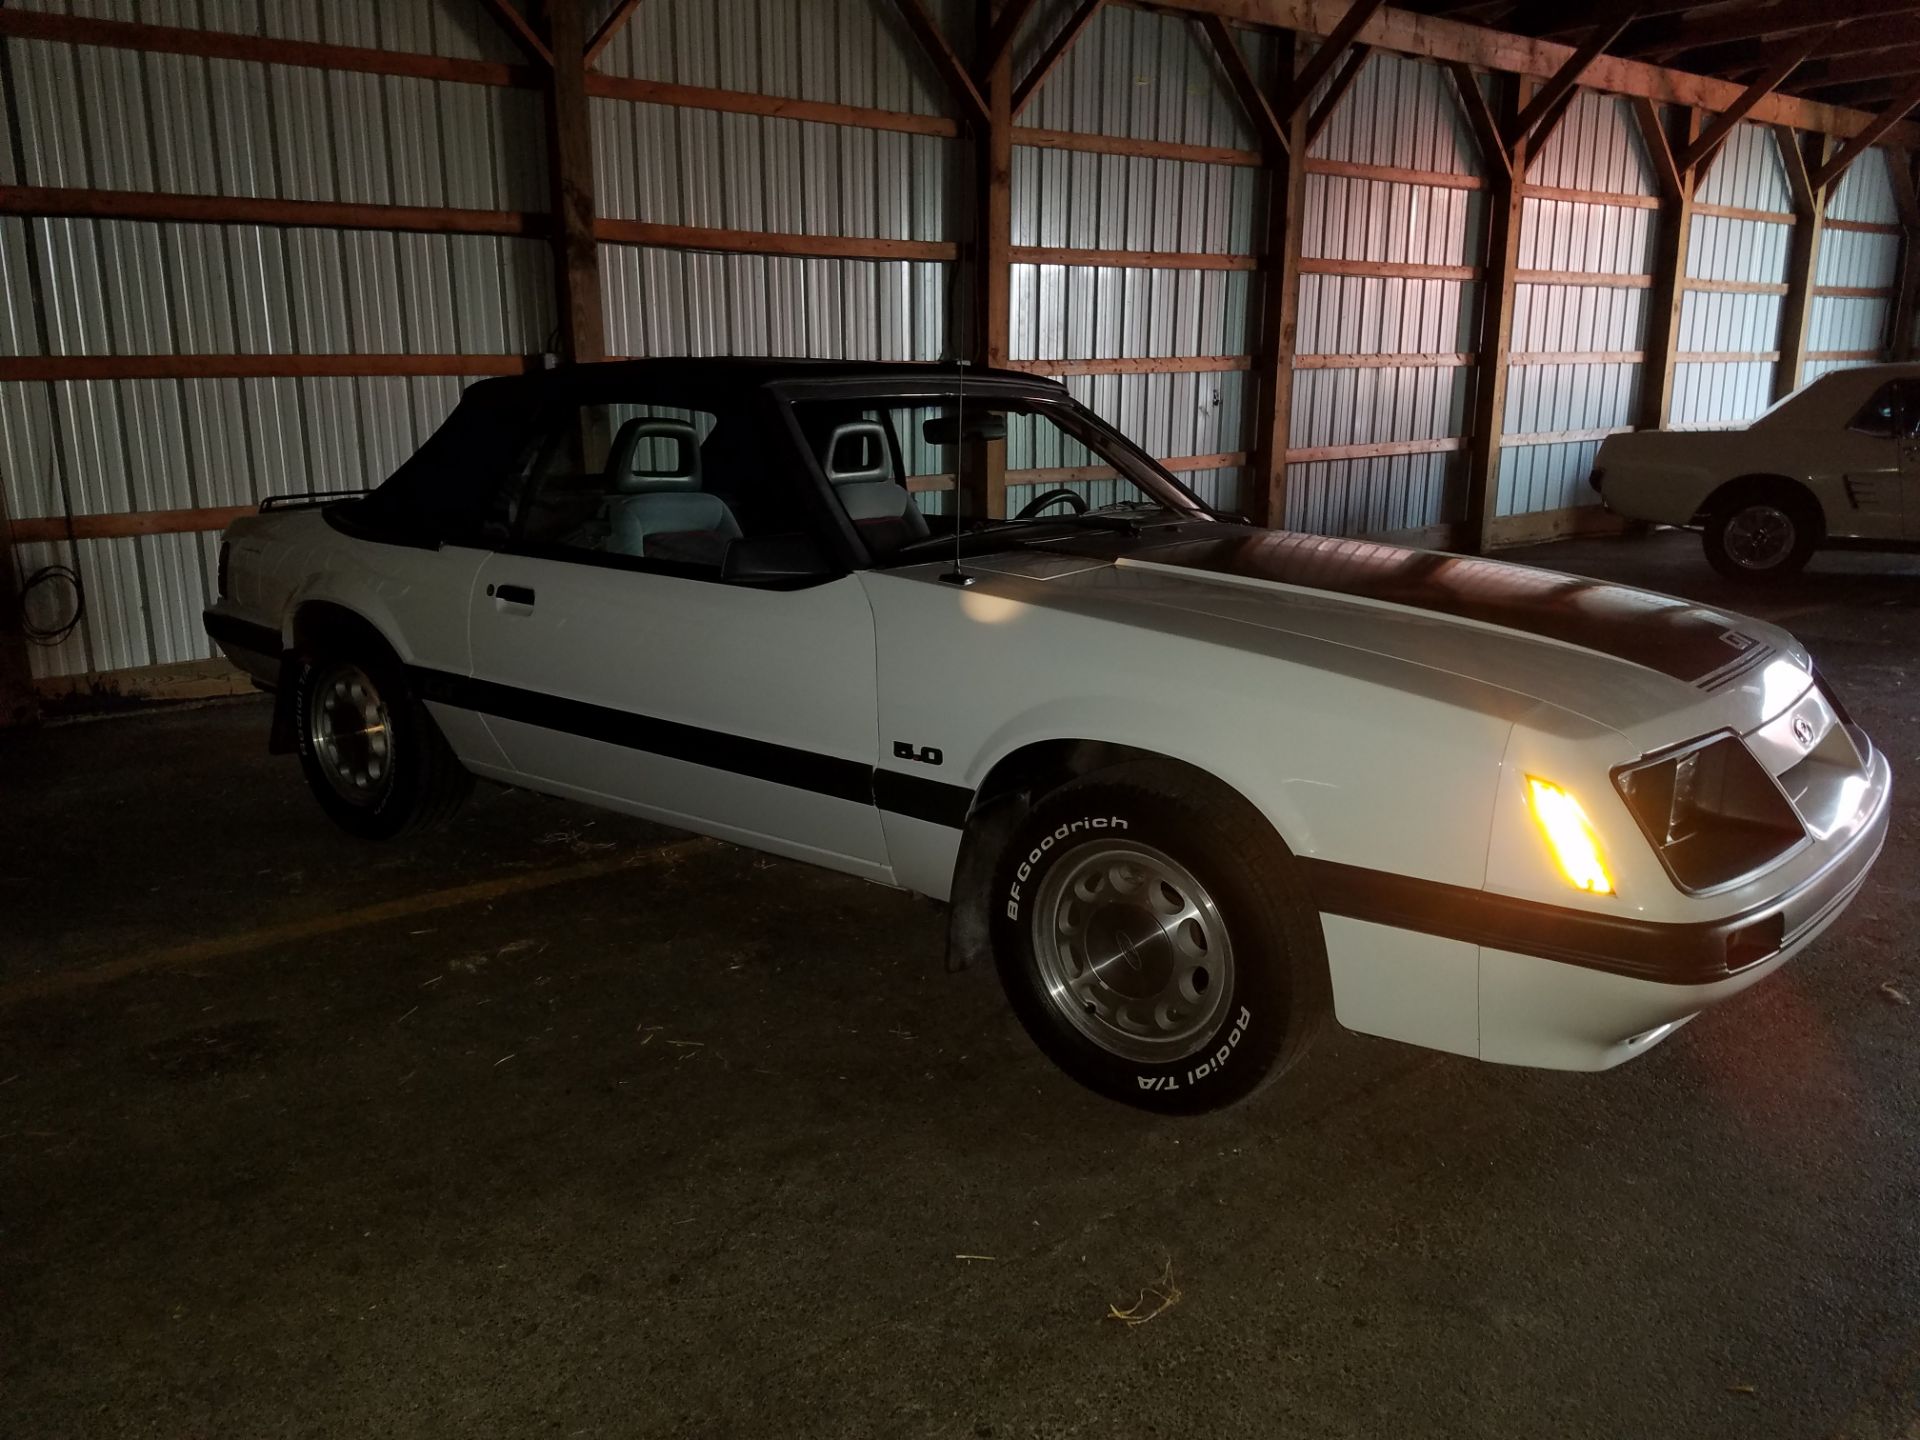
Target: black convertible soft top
[437,491]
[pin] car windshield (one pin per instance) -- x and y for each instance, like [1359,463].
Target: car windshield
[1012,471]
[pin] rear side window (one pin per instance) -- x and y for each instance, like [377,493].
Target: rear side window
[1883,414]
[657,483]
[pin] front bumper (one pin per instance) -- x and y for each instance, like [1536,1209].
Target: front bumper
[1530,984]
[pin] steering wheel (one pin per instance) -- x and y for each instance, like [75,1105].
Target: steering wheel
[1047,497]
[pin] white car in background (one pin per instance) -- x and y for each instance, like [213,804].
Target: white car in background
[1192,785]
[1835,463]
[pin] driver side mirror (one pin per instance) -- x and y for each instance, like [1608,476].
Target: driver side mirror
[764,559]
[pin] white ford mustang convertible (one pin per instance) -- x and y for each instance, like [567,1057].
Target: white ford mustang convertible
[1192,785]
[1835,463]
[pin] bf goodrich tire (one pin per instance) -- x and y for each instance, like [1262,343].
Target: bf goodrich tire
[1762,536]
[1159,947]
[371,754]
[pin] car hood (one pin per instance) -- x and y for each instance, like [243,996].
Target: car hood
[1615,655]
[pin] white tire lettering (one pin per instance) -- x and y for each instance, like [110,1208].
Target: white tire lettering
[1025,871]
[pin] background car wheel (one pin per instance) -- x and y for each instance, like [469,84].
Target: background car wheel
[372,755]
[1762,534]
[1158,946]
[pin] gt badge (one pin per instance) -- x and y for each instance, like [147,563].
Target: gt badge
[1737,640]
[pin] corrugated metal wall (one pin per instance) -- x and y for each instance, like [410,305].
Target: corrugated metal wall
[1733,314]
[1413,312]
[119,120]
[1389,299]
[1143,77]
[1844,329]
[1576,372]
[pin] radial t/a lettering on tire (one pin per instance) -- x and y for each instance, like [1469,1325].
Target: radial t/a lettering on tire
[1157,943]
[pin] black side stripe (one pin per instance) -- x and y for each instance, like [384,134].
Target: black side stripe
[909,795]
[231,630]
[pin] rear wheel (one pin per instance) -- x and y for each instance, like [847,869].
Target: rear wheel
[1759,536]
[1158,946]
[371,754]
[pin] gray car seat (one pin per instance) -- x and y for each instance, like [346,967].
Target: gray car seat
[859,462]
[658,510]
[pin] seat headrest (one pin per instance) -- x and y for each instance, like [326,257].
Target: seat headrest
[858,454]
[652,457]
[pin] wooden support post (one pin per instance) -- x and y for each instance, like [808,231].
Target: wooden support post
[1803,254]
[1280,307]
[1655,410]
[1506,176]
[576,254]
[985,484]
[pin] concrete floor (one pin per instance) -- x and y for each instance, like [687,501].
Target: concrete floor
[536,1126]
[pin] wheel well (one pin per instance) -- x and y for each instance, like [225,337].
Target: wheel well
[1787,491]
[1021,776]
[320,622]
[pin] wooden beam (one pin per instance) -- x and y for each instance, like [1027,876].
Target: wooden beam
[1005,29]
[1136,365]
[1504,211]
[1254,103]
[985,483]
[769,242]
[1320,64]
[1905,309]
[1710,139]
[1881,62]
[1803,254]
[576,249]
[1349,71]
[1836,166]
[1560,85]
[1436,37]
[1087,141]
[1132,259]
[1751,22]
[42,200]
[1742,59]
[261,49]
[926,30]
[51,529]
[515,24]
[743,102]
[615,22]
[1280,314]
[1496,157]
[1671,242]
[1055,52]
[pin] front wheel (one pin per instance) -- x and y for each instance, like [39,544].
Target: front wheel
[371,754]
[1159,947]
[1761,536]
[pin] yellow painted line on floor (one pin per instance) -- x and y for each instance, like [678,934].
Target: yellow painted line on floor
[199,952]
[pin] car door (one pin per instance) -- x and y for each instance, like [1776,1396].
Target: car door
[615,660]
[1866,458]
[1910,459]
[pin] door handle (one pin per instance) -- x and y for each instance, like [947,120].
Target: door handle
[505,595]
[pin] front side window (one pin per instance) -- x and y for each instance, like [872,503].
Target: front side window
[638,482]
[893,467]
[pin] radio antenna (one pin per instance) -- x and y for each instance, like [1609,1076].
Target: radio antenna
[957,576]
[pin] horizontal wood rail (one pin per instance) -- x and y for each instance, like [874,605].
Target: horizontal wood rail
[1133,259]
[252,367]
[264,49]
[1542,525]
[1736,212]
[775,107]
[50,529]
[1439,360]
[1092,143]
[58,202]
[1732,287]
[1136,365]
[1387,269]
[1072,474]
[1396,175]
[1616,199]
[1856,292]
[1868,357]
[769,242]
[1591,278]
[1725,357]
[1870,227]
[1374,450]
[1562,437]
[1576,357]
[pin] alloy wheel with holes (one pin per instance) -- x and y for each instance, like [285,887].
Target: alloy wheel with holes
[1761,536]
[371,754]
[1158,945]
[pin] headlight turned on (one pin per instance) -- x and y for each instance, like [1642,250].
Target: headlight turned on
[1569,834]
[1712,813]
